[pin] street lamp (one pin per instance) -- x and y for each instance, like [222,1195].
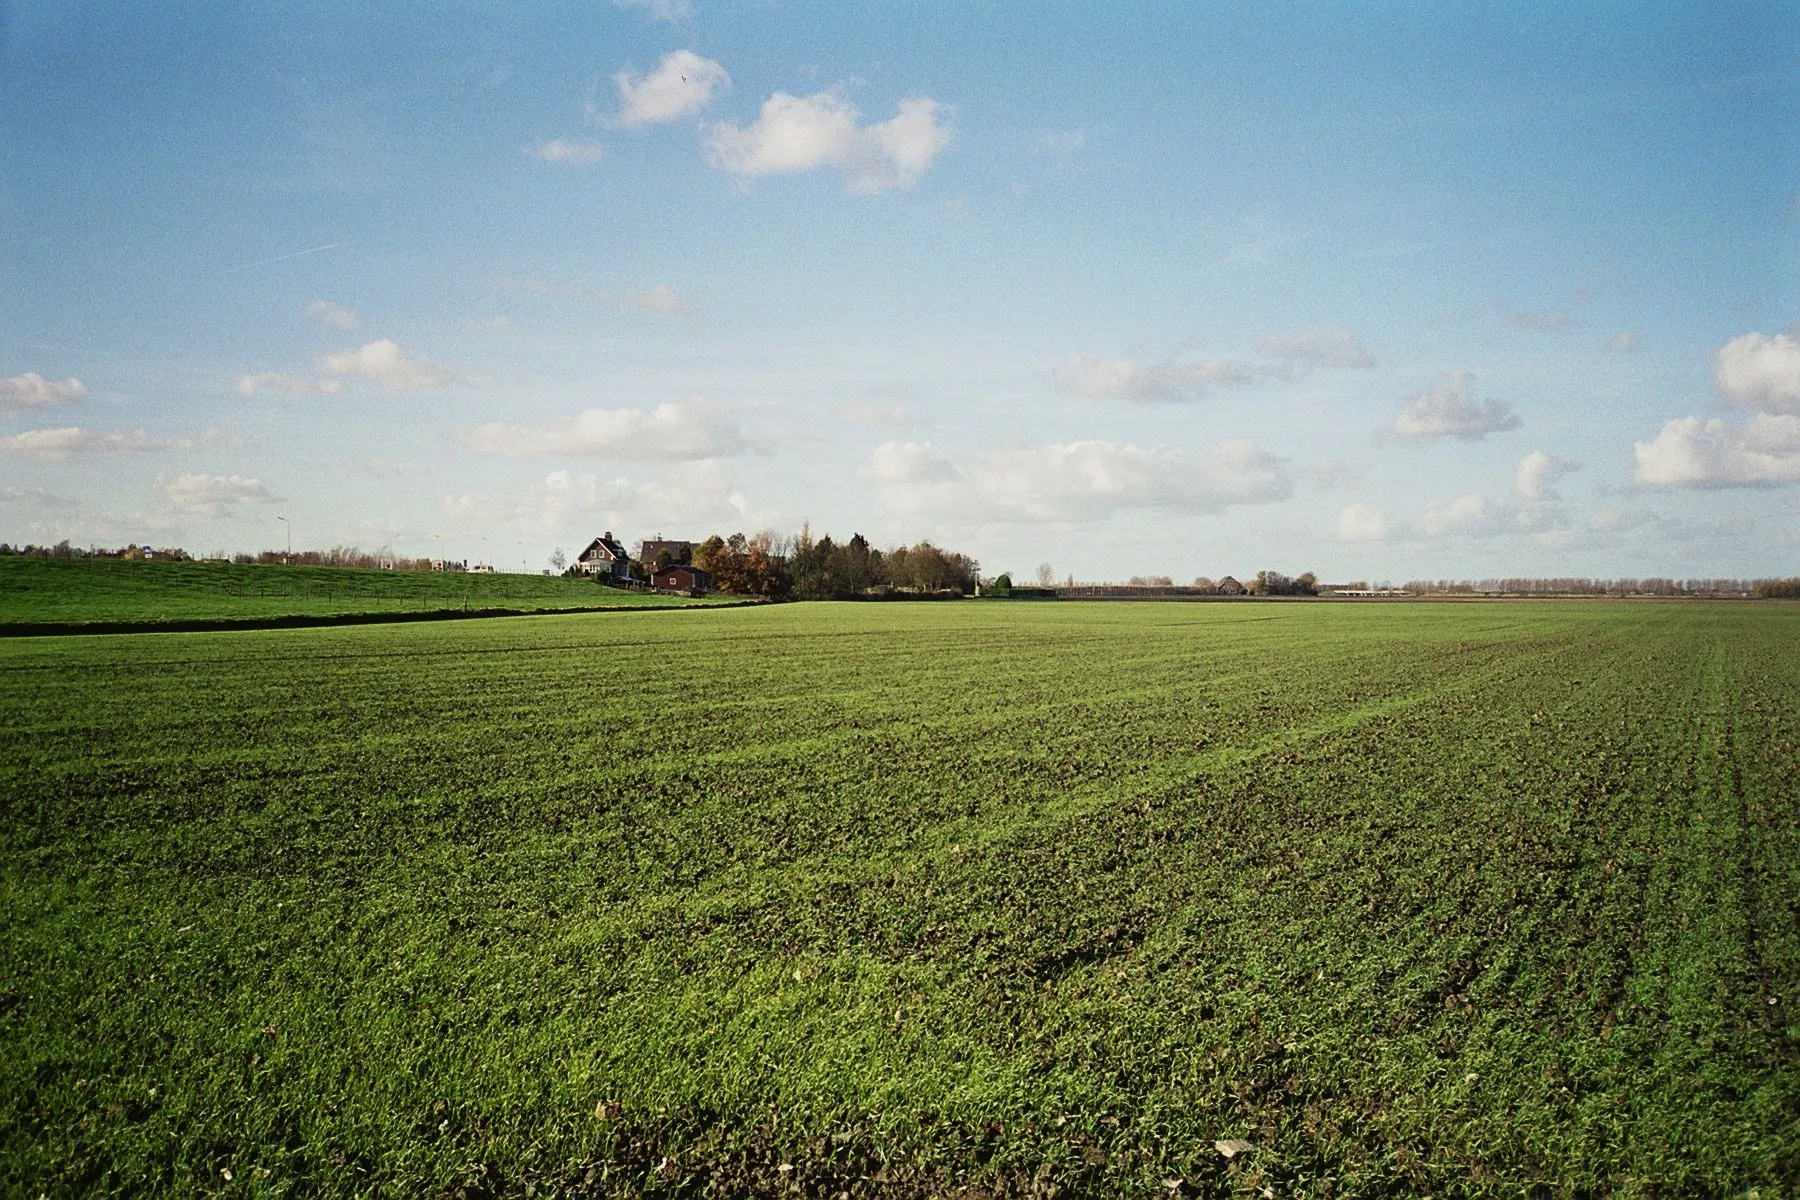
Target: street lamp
[289,552]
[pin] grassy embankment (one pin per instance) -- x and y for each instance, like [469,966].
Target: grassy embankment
[110,591]
[1459,900]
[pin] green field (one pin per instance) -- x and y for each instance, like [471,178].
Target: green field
[107,591]
[1484,899]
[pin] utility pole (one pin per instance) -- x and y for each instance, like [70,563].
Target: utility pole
[289,552]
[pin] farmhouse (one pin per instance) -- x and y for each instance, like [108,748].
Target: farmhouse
[683,578]
[659,552]
[605,558]
[1231,587]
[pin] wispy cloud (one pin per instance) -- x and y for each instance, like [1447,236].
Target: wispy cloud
[560,150]
[687,430]
[294,385]
[325,312]
[669,12]
[1126,379]
[1074,481]
[660,299]
[59,445]
[215,495]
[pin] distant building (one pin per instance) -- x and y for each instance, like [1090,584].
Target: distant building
[683,578]
[1231,587]
[659,552]
[482,569]
[605,558]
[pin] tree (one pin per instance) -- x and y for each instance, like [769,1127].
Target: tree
[1046,575]
[558,560]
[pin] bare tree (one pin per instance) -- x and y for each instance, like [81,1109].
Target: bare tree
[1046,575]
[558,560]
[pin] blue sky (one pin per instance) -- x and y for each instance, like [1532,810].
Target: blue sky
[1379,291]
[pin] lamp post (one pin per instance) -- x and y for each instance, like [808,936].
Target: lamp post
[289,552]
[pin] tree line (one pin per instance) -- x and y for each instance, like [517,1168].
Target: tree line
[804,567]
[1655,586]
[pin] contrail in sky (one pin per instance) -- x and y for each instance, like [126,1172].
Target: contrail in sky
[281,258]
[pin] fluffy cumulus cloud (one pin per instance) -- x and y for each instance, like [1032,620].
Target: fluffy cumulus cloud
[214,495]
[1761,374]
[1075,481]
[293,385]
[677,431]
[59,445]
[561,150]
[1762,451]
[682,84]
[387,364]
[335,315]
[1321,346]
[1124,379]
[804,133]
[1536,475]
[1361,523]
[31,390]
[1447,409]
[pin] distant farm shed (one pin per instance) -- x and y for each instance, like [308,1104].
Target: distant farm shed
[1231,587]
[683,578]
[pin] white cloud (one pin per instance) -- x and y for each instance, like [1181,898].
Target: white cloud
[32,390]
[1074,481]
[1762,451]
[1536,474]
[1319,347]
[661,299]
[58,445]
[1447,410]
[871,412]
[1123,379]
[1361,523]
[1760,373]
[249,385]
[1089,480]
[1621,343]
[682,84]
[1466,516]
[1541,322]
[387,364]
[667,11]
[908,462]
[334,315]
[689,494]
[560,150]
[681,431]
[36,498]
[215,495]
[794,133]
